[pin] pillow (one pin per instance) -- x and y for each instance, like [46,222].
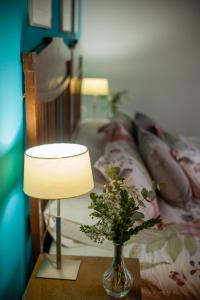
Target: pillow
[178,141]
[116,132]
[124,119]
[143,121]
[74,212]
[170,139]
[189,160]
[88,135]
[121,151]
[186,151]
[194,140]
[164,169]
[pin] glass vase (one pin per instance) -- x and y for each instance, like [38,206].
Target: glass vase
[117,280]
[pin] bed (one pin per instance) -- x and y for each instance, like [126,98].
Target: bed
[169,255]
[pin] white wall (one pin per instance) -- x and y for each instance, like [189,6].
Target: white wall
[152,48]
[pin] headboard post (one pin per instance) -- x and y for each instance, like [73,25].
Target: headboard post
[76,91]
[31,105]
[67,105]
[32,140]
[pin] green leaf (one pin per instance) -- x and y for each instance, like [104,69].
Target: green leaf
[146,224]
[155,245]
[93,196]
[113,172]
[116,210]
[148,265]
[190,245]
[174,247]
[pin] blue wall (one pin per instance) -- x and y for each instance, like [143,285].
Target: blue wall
[15,239]
[32,36]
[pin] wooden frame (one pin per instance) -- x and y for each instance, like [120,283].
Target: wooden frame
[52,109]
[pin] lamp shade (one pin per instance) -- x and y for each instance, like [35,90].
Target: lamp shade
[95,86]
[57,171]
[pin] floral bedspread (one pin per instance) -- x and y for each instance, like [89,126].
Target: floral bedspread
[170,257]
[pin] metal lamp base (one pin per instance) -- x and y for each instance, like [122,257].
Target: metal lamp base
[69,269]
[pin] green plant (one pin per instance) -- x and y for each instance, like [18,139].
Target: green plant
[116,210]
[114,100]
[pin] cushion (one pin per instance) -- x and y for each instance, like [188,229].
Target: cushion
[144,121]
[194,140]
[177,141]
[186,151]
[189,160]
[170,139]
[88,135]
[116,132]
[122,152]
[74,212]
[164,169]
[124,119]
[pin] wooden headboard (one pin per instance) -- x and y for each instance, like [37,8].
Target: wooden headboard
[52,79]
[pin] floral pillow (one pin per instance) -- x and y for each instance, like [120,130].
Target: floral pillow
[124,119]
[170,139]
[187,153]
[144,121]
[190,162]
[176,189]
[116,132]
[122,152]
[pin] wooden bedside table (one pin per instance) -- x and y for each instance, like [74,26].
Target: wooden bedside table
[87,286]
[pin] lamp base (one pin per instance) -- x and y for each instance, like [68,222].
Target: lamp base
[69,269]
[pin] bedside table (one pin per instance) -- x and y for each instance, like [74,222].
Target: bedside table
[87,286]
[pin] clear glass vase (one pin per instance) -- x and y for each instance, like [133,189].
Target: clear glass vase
[117,280]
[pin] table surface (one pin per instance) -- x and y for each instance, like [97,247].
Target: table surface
[88,284]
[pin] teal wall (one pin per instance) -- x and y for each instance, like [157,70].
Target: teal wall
[32,36]
[15,239]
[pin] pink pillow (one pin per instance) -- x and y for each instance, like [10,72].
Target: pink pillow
[121,151]
[115,131]
[187,155]
[190,162]
[164,169]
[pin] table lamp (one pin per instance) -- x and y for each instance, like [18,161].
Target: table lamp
[55,172]
[94,87]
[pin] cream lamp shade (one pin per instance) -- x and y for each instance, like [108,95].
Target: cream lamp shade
[57,171]
[95,86]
